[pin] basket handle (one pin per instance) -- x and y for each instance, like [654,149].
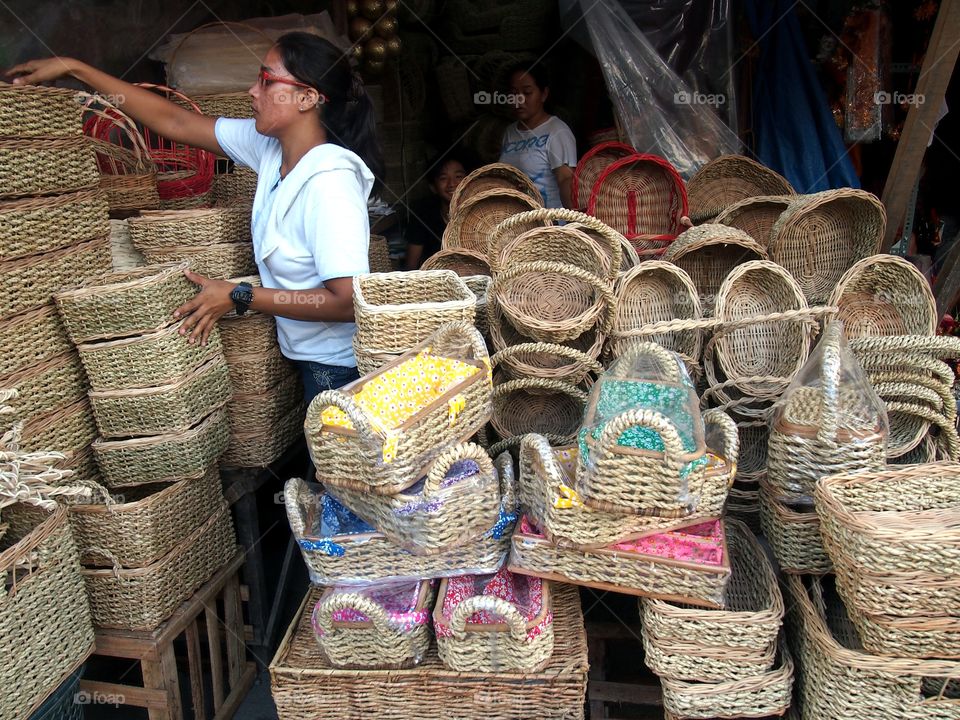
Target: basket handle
[563,351]
[173,55]
[350,601]
[535,451]
[504,446]
[104,553]
[454,333]
[296,496]
[667,361]
[342,401]
[120,119]
[442,465]
[829,415]
[503,463]
[611,236]
[729,435]
[498,606]
[651,419]
[510,386]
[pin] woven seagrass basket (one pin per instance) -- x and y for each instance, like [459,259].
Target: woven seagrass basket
[756,216]
[546,360]
[727,180]
[44,224]
[496,176]
[707,253]
[378,641]
[36,111]
[820,236]
[477,217]
[30,338]
[121,304]
[378,255]
[546,407]
[219,261]
[142,524]
[591,166]
[69,429]
[46,166]
[230,105]
[793,531]
[155,230]
[262,447]
[46,387]
[260,412]
[235,188]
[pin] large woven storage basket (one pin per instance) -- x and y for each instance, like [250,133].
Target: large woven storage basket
[727,180]
[62,703]
[756,216]
[443,511]
[36,111]
[163,458]
[210,226]
[249,334]
[235,188]
[142,524]
[707,253]
[390,459]
[547,407]
[44,224]
[651,293]
[643,198]
[142,598]
[68,429]
[260,412]
[230,105]
[257,372]
[262,447]
[30,338]
[45,628]
[121,304]
[219,261]
[591,166]
[495,176]
[395,311]
[820,236]
[884,295]
[47,387]
[381,628]
[476,218]
[30,281]
[793,531]
[470,640]
[46,166]
[147,360]
[840,681]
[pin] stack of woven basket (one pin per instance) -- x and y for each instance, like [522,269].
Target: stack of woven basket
[161,527]
[53,231]
[723,663]
[266,410]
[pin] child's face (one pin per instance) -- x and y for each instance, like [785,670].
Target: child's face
[451,174]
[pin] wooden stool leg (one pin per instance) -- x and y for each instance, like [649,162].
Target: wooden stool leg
[153,679]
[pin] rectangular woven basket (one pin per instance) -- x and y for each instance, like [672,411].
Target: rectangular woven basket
[221,261]
[430,690]
[252,413]
[30,338]
[142,598]
[260,448]
[44,224]
[255,373]
[46,166]
[47,387]
[153,230]
[68,429]
[37,111]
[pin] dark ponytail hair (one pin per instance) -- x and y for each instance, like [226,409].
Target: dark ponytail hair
[348,112]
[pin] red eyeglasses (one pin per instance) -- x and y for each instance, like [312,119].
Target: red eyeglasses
[266,78]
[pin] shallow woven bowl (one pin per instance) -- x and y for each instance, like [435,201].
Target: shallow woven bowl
[495,176]
[727,180]
[477,217]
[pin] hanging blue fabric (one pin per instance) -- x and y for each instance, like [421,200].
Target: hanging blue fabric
[795,131]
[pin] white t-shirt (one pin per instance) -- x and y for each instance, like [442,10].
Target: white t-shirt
[307,229]
[538,152]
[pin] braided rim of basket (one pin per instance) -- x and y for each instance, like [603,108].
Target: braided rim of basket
[595,161]
[463,262]
[767,181]
[513,178]
[526,247]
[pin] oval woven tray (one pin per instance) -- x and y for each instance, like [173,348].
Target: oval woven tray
[727,180]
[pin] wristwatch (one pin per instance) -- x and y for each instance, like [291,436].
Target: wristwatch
[242,296]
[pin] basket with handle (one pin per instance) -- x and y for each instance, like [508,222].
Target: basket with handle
[756,216]
[707,253]
[546,360]
[495,176]
[642,197]
[396,311]
[44,224]
[548,479]
[480,630]
[820,236]
[727,180]
[381,627]
[885,295]
[36,111]
[46,166]
[537,405]
[125,303]
[477,217]
[456,502]
[354,437]
[591,166]
[30,338]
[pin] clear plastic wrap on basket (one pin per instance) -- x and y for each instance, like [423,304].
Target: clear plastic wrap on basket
[828,421]
[381,626]
[642,444]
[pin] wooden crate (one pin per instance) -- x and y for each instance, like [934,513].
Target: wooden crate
[304,686]
[224,654]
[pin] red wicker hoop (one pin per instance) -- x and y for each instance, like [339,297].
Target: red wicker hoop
[592,165]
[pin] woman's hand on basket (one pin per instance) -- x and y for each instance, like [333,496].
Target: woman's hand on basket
[207,306]
[34,72]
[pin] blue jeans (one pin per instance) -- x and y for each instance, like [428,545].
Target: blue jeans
[318,377]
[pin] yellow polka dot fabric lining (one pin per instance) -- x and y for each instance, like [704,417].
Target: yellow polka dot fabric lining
[397,394]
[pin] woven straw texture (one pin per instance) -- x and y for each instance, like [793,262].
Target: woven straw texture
[163,458]
[590,167]
[378,255]
[839,681]
[444,518]
[556,691]
[235,188]
[164,409]
[39,225]
[727,180]
[885,295]
[545,360]
[121,304]
[144,523]
[30,338]
[144,361]
[257,372]
[47,387]
[480,286]
[493,177]
[258,413]
[46,166]
[707,253]
[476,219]
[190,202]
[65,429]
[125,255]
[220,261]
[35,111]
[395,311]
[493,648]
[248,334]
[756,216]
[820,236]
[357,454]
[231,105]
[153,231]
[84,467]
[546,407]
[793,532]
[377,643]
[463,262]
[30,281]
[262,447]
[142,598]
[45,629]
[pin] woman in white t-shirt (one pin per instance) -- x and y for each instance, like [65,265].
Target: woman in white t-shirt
[539,144]
[312,143]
